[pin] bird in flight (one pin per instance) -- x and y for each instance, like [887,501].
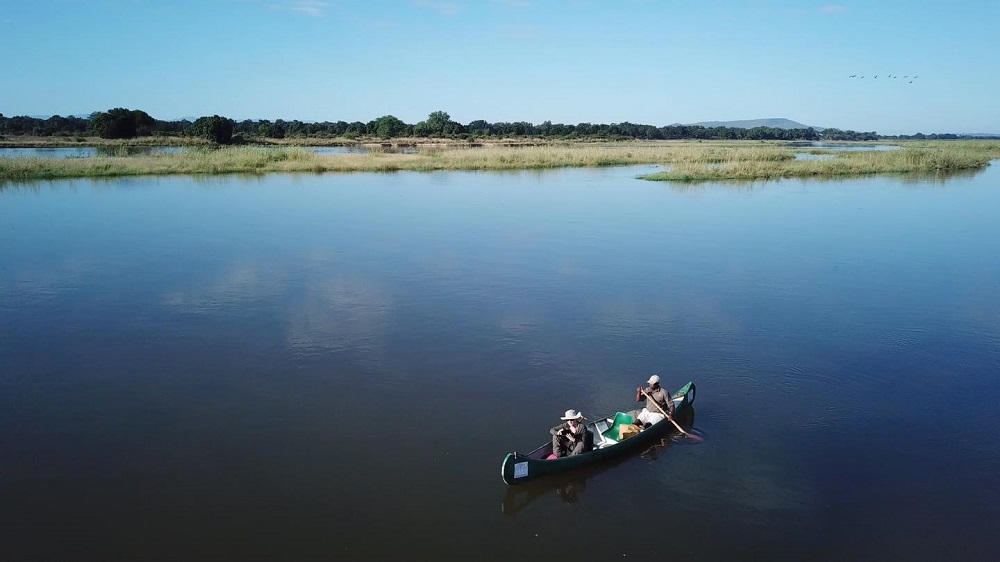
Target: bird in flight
[893,76]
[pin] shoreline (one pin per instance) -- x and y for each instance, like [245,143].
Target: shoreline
[365,142]
[688,160]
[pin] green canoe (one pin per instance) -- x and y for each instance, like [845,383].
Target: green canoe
[517,468]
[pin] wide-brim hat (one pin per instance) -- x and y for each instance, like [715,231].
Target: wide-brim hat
[572,415]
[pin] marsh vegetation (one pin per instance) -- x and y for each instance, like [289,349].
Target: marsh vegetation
[759,163]
[683,160]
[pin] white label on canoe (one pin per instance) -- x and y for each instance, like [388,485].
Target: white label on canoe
[520,470]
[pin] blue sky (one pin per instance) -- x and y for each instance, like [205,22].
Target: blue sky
[645,61]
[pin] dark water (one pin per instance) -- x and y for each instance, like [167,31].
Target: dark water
[327,150]
[853,147]
[807,156]
[327,367]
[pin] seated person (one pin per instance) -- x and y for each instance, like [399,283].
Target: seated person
[660,397]
[571,437]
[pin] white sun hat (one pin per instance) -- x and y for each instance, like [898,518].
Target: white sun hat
[654,379]
[572,415]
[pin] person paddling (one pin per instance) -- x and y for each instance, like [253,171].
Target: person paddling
[650,414]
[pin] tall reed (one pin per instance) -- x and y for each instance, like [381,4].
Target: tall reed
[845,163]
[686,160]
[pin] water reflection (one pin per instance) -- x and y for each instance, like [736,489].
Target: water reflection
[327,150]
[240,285]
[939,177]
[86,151]
[364,149]
[844,146]
[807,156]
[340,314]
[137,150]
[194,350]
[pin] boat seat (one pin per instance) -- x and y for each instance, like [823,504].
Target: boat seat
[597,429]
[613,433]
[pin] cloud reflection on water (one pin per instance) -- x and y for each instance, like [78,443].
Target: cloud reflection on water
[329,312]
[339,314]
[240,285]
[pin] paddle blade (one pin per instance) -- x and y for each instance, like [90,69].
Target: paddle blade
[687,438]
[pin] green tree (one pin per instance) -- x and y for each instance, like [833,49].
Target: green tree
[121,123]
[215,128]
[355,130]
[144,124]
[422,129]
[479,127]
[388,126]
[279,130]
[438,124]
[437,121]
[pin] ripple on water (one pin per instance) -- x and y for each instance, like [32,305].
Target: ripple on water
[902,339]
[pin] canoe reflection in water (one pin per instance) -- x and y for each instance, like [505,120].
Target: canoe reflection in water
[570,486]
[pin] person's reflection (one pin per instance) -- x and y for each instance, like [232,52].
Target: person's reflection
[653,452]
[569,487]
[570,492]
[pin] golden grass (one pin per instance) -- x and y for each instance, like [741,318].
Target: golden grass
[909,159]
[274,159]
[687,160]
[188,161]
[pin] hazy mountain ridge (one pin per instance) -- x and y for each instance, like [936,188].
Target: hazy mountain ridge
[774,123]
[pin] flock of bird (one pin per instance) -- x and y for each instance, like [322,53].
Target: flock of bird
[907,77]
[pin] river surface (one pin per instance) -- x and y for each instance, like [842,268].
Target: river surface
[844,147]
[332,367]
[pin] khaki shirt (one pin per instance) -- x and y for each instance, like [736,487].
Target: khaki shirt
[662,397]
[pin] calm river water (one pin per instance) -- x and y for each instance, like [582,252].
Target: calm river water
[332,367]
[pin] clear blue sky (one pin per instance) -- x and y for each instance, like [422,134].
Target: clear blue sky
[645,61]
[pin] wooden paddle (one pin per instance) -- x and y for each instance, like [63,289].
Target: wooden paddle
[666,415]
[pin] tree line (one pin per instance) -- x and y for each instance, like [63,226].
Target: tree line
[121,123]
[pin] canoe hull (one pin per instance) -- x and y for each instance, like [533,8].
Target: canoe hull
[517,468]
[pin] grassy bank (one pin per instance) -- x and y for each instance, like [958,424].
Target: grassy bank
[943,156]
[687,160]
[257,159]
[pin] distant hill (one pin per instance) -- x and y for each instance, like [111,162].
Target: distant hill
[78,115]
[774,123]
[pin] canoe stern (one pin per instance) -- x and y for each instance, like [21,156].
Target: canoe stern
[515,468]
